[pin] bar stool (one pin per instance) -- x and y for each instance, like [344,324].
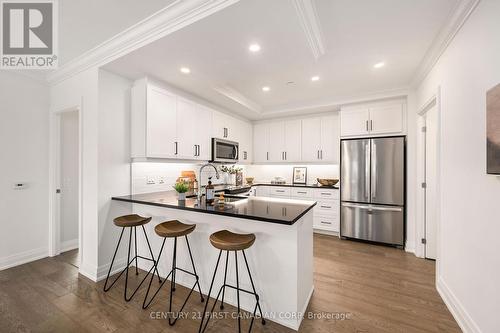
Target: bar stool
[225,240]
[174,229]
[132,222]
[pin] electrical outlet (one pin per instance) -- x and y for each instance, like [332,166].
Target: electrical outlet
[161,180]
[150,180]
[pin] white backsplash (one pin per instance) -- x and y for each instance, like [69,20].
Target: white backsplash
[165,174]
[265,173]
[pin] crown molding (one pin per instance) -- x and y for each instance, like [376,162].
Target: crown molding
[162,23]
[308,17]
[455,22]
[336,104]
[239,98]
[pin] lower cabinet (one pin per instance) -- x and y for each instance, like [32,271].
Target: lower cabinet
[326,212]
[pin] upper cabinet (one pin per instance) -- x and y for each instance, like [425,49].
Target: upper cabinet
[369,120]
[320,139]
[165,125]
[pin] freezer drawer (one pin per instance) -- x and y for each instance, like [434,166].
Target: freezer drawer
[376,223]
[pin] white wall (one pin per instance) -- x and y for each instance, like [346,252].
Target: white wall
[113,162]
[81,91]
[468,260]
[24,110]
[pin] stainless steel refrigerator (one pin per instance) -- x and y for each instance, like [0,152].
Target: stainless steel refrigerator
[372,192]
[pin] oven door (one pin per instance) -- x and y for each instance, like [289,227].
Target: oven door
[224,151]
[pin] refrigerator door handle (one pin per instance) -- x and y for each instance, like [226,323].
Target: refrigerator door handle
[374,170]
[367,170]
[351,205]
[370,207]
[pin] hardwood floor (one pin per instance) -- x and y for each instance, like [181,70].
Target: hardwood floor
[358,288]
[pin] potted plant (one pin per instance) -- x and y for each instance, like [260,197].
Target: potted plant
[181,188]
[230,173]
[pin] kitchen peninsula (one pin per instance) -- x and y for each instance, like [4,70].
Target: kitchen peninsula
[281,259]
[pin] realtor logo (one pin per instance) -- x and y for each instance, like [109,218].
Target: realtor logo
[28,34]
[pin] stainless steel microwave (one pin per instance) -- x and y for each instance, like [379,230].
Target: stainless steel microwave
[224,151]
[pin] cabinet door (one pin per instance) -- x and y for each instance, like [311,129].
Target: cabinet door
[244,131]
[386,119]
[293,138]
[261,143]
[203,133]
[354,122]
[330,139]
[187,118]
[311,139]
[161,123]
[277,141]
[219,125]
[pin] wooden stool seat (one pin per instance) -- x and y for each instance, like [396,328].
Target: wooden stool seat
[132,220]
[229,241]
[174,228]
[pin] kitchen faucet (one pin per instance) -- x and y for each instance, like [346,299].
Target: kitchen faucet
[199,182]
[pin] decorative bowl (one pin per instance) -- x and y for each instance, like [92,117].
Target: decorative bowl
[249,180]
[327,182]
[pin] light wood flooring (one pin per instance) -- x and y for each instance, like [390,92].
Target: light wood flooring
[371,289]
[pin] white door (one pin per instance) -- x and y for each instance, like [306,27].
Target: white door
[311,139]
[161,117]
[330,140]
[261,143]
[431,197]
[386,119]
[293,137]
[69,157]
[354,122]
[277,141]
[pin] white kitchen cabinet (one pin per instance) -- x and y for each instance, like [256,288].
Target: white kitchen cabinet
[262,191]
[244,137]
[377,119]
[224,126]
[261,143]
[280,192]
[276,141]
[320,139]
[165,125]
[160,108]
[293,140]
[355,122]
[386,119]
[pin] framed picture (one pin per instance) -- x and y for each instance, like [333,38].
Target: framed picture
[299,175]
[493,130]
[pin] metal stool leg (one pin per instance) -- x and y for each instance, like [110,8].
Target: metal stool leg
[112,261]
[224,285]
[237,289]
[208,297]
[194,269]
[257,305]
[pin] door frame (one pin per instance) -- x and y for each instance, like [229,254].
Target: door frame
[55,181]
[434,101]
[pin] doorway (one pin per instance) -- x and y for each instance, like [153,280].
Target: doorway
[69,186]
[430,180]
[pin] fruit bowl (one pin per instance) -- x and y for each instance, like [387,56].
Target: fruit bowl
[327,182]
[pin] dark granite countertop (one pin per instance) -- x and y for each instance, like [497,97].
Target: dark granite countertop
[282,211]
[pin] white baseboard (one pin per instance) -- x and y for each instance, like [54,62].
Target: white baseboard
[69,245]
[326,232]
[456,308]
[118,265]
[23,257]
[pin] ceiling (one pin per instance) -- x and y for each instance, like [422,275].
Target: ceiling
[337,40]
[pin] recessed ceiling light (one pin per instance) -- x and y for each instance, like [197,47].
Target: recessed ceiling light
[254,47]
[379,65]
[315,78]
[266,88]
[185,70]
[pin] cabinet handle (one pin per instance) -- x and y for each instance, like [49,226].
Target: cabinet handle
[280,191]
[371,125]
[197,150]
[318,154]
[285,157]
[326,206]
[367,125]
[325,222]
[321,154]
[176,147]
[244,155]
[267,156]
[301,192]
[325,193]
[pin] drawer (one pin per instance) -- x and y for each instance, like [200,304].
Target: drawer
[262,191]
[327,207]
[305,193]
[280,192]
[326,194]
[326,223]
